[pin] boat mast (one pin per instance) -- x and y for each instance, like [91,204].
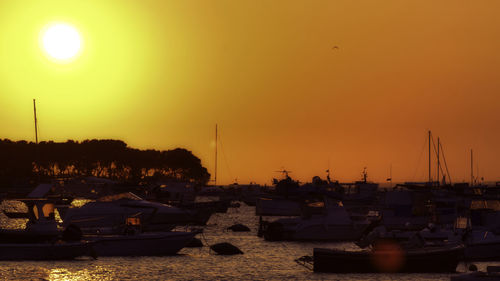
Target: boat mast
[447,172]
[37,151]
[215,177]
[36,126]
[438,163]
[430,179]
[471,168]
[390,176]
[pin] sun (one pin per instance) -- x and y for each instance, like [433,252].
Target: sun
[61,42]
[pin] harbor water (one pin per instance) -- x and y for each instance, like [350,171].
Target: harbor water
[261,260]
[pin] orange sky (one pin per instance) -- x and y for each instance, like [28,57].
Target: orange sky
[160,74]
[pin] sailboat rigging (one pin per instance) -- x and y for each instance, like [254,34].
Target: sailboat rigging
[215,172]
[36,121]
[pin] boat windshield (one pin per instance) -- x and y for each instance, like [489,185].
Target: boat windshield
[114,197]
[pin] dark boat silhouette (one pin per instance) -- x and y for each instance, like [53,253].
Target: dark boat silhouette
[388,258]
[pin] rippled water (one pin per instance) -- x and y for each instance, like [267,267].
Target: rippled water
[262,260]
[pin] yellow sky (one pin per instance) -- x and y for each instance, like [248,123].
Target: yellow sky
[160,74]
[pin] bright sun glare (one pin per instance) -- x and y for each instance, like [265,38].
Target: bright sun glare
[61,41]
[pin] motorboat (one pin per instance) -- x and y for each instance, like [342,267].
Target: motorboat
[405,210]
[59,250]
[482,245]
[431,234]
[41,225]
[140,244]
[334,224]
[290,198]
[132,241]
[388,257]
[108,214]
[482,236]
[41,239]
[268,206]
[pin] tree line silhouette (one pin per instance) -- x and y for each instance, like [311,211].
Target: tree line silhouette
[113,159]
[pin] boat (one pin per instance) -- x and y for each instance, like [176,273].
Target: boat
[284,201]
[132,241]
[290,198]
[492,274]
[269,206]
[334,224]
[388,257]
[482,236]
[359,193]
[249,194]
[41,225]
[58,250]
[107,215]
[140,244]
[432,234]
[482,245]
[41,239]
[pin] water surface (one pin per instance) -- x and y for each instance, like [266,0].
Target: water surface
[262,260]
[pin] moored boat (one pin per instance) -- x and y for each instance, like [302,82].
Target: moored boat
[41,239]
[334,224]
[492,274]
[388,257]
[107,214]
[482,245]
[45,251]
[141,244]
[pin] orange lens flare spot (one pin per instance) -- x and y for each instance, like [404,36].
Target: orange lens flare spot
[388,256]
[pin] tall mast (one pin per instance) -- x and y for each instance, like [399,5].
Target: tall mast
[36,125]
[430,179]
[471,169]
[215,178]
[438,163]
[37,151]
[390,176]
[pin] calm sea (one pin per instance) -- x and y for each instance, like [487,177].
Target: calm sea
[262,260]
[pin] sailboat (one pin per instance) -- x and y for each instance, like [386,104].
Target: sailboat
[430,183]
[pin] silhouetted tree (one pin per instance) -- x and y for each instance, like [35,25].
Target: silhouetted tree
[101,158]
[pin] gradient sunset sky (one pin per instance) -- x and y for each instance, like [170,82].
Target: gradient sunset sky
[161,74]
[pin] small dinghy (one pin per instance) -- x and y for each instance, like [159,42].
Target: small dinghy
[492,274]
[226,249]
[238,228]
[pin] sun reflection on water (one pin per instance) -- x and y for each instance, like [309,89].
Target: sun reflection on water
[93,273]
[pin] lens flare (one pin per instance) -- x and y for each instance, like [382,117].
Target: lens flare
[388,256]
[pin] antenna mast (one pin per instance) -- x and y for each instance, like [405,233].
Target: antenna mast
[36,125]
